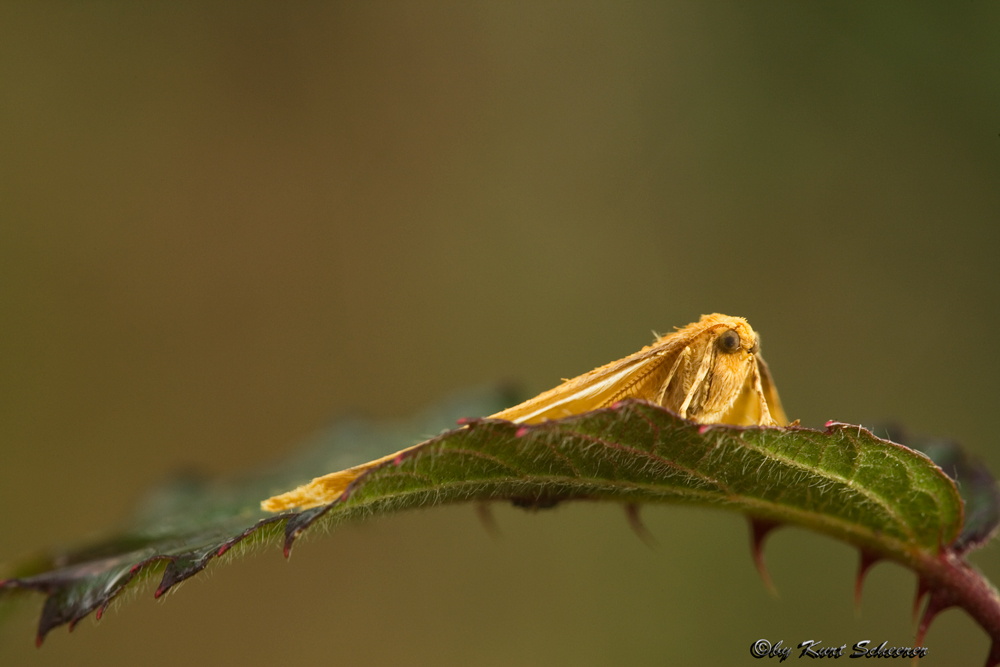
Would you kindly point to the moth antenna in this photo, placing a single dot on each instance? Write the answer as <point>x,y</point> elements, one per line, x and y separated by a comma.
<point>637,526</point>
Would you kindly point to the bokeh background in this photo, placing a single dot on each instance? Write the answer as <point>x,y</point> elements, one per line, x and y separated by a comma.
<point>222,224</point>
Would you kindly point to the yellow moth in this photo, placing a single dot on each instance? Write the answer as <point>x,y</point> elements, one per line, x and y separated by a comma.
<point>710,372</point>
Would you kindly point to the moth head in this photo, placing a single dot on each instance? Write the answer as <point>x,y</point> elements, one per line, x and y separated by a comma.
<point>739,338</point>
<point>733,337</point>
<point>729,341</point>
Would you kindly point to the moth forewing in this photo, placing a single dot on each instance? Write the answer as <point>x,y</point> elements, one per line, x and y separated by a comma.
<point>770,391</point>
<point>631,377</point>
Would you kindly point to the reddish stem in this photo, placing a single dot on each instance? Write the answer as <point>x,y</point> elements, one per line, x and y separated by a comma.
<point>952,581</point>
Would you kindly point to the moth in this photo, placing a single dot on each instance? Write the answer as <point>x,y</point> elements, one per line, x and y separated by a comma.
<point>710,372</point>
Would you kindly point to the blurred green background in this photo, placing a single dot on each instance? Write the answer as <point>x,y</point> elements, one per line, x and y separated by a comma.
<point>223,224</point>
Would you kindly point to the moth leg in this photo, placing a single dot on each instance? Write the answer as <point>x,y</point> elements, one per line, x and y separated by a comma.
<point>706,363</point>
<point>758,388</point>
<point>661,397</point>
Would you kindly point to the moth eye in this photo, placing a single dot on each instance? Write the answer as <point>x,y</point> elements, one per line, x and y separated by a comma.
<point>729,341</point>
<point>756,345</point>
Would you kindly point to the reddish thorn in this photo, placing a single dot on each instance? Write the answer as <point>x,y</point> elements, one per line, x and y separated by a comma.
<point>72,624</point>
<point>829,423</point>
<point>485,514</point>
<point>759,529</point>
<point>637,526</point>
<point>396,461</point>
<point>38,641</point>
<point>922,590</point>
<point>521,431</point>
<point>223,549</point>
<point>935,605</point>
<point>462,421</point>
<point>135,568</point>
<point>100,611</point>
<point>703,429</point>
<point>993,659</point>
<point>288,544</point>
<point>616,405</point>
<point>864,564</point>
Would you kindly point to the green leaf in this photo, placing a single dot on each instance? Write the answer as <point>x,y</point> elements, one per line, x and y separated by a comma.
<point>180,528</point>
<point>844,482</point>
<point>891,501</point>
<point>976,483</point>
